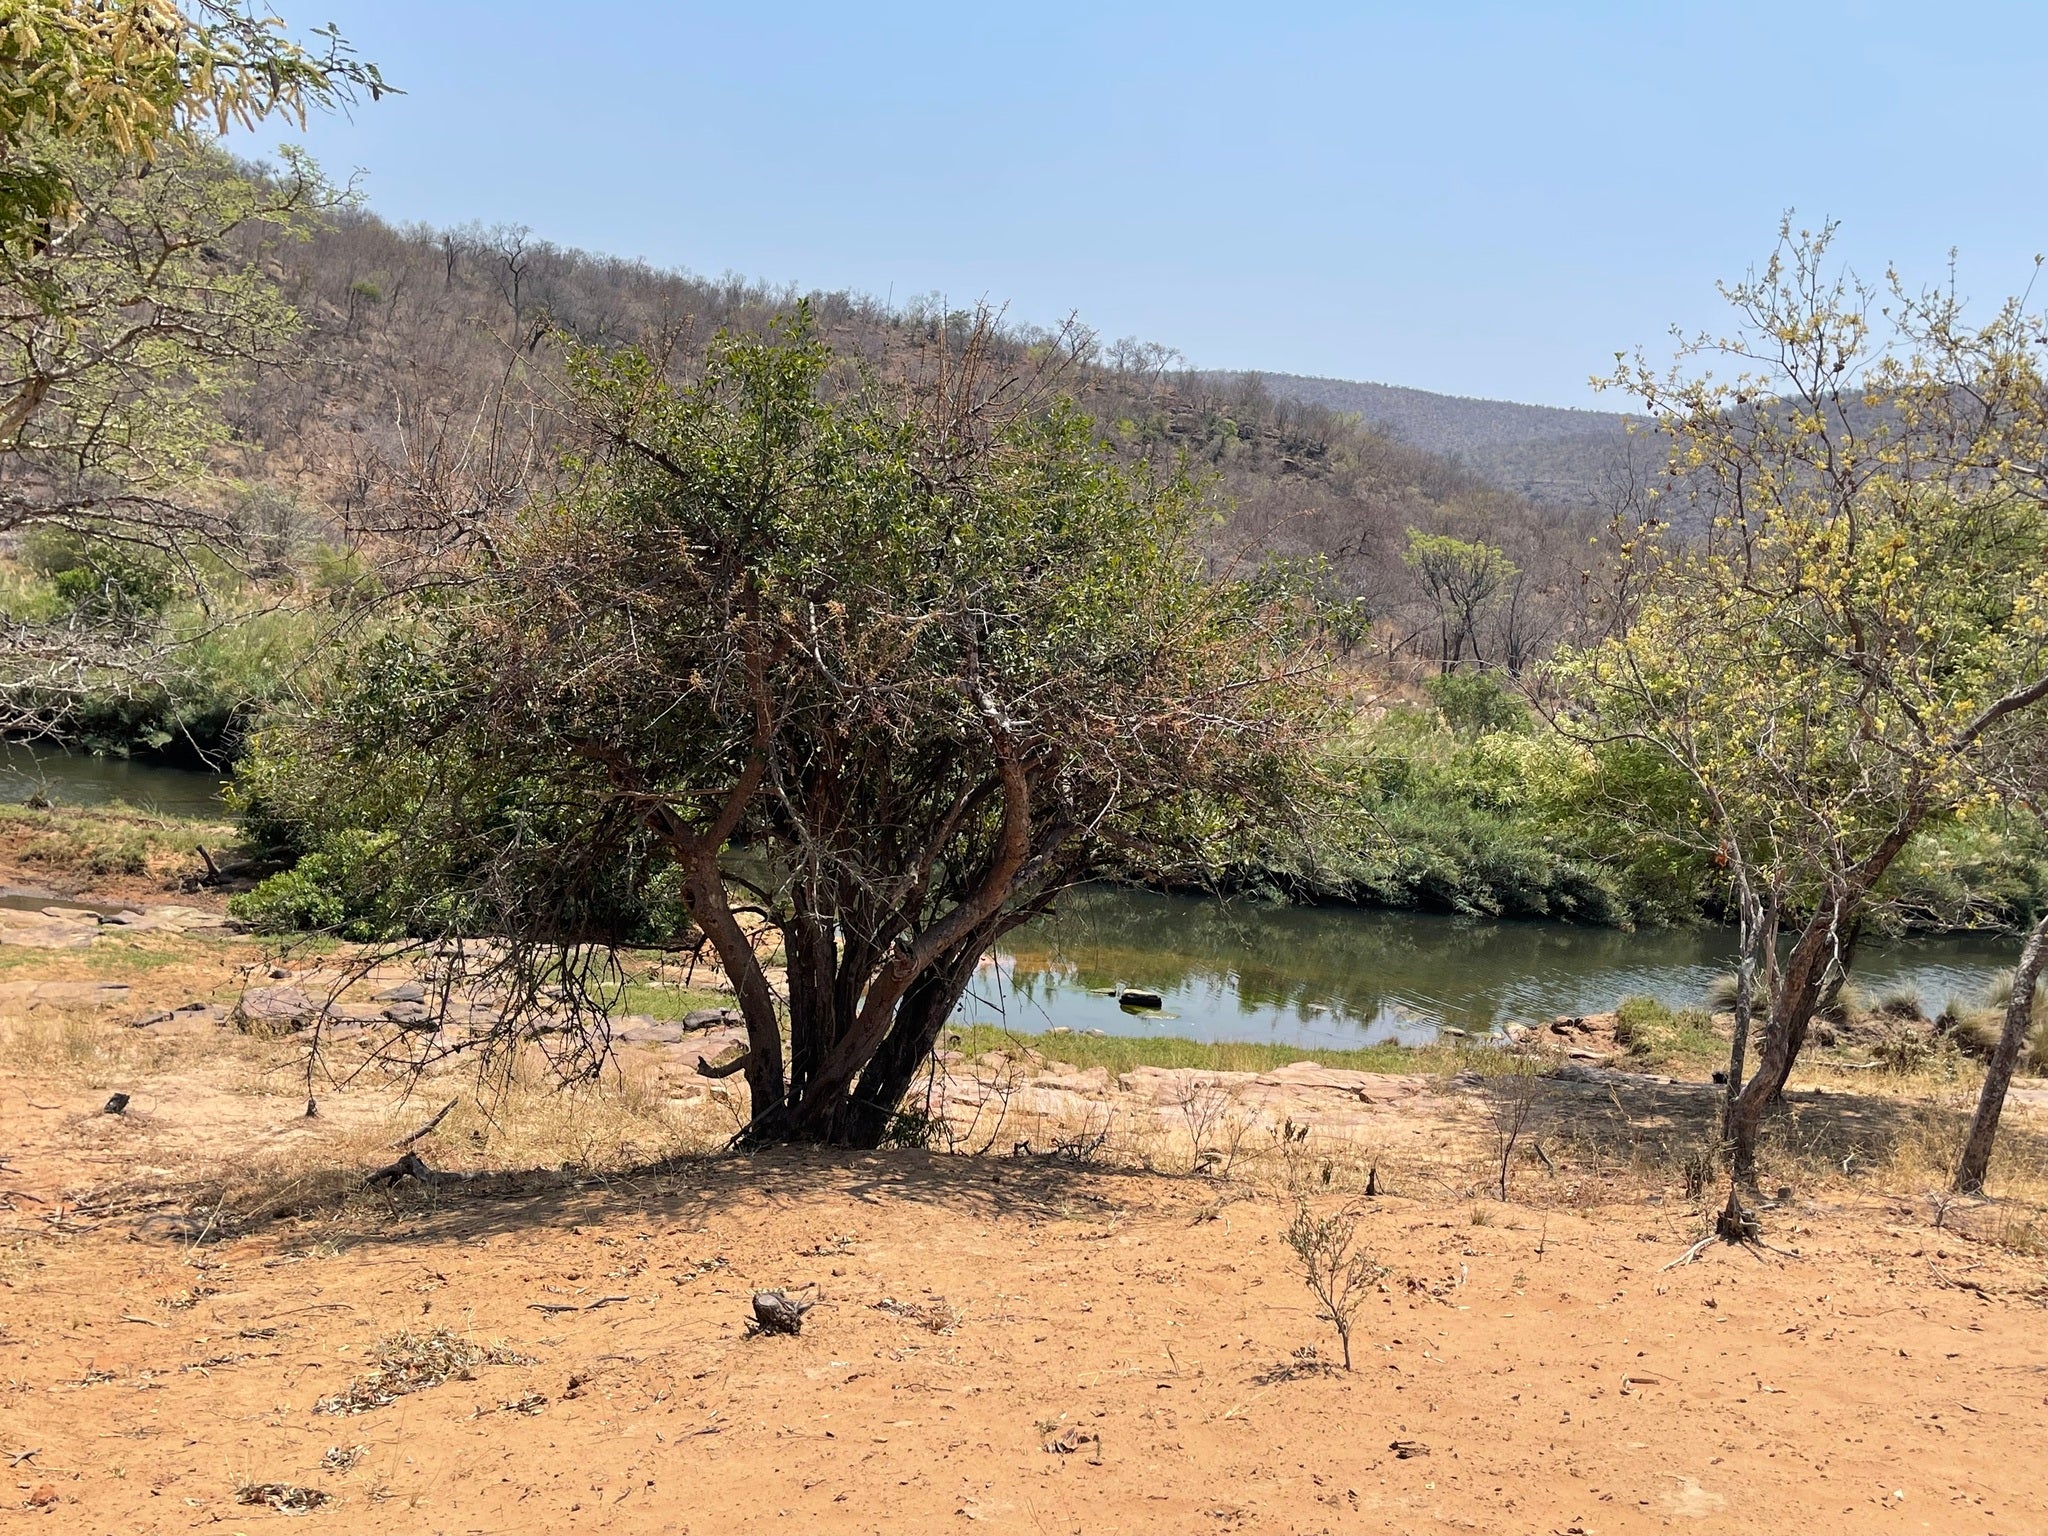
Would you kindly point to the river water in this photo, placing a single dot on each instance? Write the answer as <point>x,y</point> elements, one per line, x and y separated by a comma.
<point>78,778</point>
<point>1335,976</point>
<point>1330,976</point>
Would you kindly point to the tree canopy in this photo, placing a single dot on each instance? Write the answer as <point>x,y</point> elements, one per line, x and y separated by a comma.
<point>869,671</point>
<point>1858,643</point>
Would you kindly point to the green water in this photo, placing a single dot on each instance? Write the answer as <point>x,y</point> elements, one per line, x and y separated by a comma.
<point>78,778</point>
<point>1345,977</point>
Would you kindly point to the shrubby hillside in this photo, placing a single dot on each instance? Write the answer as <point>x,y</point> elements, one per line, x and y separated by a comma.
<point>431,368</point>
<point>1548,454</point>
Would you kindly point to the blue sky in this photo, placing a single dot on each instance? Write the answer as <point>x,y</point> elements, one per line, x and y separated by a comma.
<point>1480,199</point>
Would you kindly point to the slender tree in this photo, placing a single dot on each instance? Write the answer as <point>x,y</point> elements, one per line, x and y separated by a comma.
<point>1462,580</point>
<point>1854,639</point>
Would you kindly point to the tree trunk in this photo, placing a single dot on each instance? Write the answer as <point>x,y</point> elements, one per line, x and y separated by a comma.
<point>1755,937</point>
<point>1796,989</point>
<point>812,953</point>
<point>705,898</point>
<point>870,1110</point>
<point>2019,1024</point>
<point>1792,1004</point>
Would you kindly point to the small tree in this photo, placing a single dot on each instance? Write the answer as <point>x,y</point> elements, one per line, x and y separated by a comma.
<point>1338,1272</point>
<point>1461,581</point>
<point>1853,644</point>
<point>876,668</point>
<point>134,287</point>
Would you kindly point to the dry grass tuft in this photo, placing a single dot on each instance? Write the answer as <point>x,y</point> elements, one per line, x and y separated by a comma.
<point>286,1498</point>
<point>413,1362</point>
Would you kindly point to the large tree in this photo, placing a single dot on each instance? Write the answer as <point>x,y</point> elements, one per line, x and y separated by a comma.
<point>875,669</point>
<point>1844,636</point>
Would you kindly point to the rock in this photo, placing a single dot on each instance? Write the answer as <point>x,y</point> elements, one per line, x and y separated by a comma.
<point>711,1018</point>
<point>1139,997</point>
<point>638,1030</point>
<point>404,992</point>
<point>1452,1034</point>
<point>276,1006</point>
<point>411,1015</point>
<point>116,1105</point>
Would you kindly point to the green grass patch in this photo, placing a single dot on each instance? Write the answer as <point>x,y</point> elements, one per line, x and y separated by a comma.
<point>665,1002</point>
<point>1120,1053</point>
<point>1652,1033</point>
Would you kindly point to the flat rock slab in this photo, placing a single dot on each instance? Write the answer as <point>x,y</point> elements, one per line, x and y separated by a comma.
<point>63,994</point>
<point>1299,1082</point>
<point>699,1046</point>
<point>277,1005</point>
<point>52,929</point>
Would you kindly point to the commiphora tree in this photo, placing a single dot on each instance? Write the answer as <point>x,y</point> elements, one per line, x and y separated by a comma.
<point>1855,640</point>
<point>876,668</point>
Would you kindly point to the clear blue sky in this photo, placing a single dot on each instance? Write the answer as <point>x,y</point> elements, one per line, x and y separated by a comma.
<point>1480,199</point>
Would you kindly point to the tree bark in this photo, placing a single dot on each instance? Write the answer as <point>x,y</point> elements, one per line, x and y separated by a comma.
<point>868,1113</point>
<point>1797,988</point>
<point>1793,1000</point>
<point>1753,939</point>
<point>2012,1039</point>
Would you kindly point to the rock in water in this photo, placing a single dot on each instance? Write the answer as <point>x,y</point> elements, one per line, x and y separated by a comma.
<point>778,1312</point>
<point>1138,997</point>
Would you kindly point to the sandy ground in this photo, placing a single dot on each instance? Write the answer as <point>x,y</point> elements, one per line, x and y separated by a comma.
<point>1542,1371</point>
<point>1003,1341</point>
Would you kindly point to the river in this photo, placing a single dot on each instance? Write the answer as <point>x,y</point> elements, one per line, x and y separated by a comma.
<point>1339,976</point>
<point>1328,976</point>
<point>79,778</point>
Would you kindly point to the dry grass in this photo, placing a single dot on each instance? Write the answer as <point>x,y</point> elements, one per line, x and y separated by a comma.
<point>413,1362</point>
<point>70,846</point>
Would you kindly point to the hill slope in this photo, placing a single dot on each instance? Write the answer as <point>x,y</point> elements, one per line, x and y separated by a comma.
<point>1545,452</point>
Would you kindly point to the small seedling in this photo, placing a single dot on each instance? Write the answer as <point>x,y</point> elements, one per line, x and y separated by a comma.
<point>1333,1267</point>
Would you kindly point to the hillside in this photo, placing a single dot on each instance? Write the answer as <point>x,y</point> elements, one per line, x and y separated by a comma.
<point>430,398</point>
<point>1546,453</point>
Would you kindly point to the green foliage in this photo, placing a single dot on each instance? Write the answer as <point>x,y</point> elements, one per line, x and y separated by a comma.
<point>1478,704</point>
<point>1502,823</point>
<point>341,889</point>
<point>217,670</point>
<point>99,580</point>
<point>136,81</point>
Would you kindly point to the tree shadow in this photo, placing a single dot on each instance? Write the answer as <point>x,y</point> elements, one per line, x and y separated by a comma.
<point>1618,1118</point>
<point>685,1193</point>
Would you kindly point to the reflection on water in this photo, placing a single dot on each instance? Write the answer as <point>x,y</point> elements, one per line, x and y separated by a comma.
<point>1341,976</point>
<point>77,778</point>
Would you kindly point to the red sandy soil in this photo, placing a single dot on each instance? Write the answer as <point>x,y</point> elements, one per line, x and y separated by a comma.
<point>1876,1375</point>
